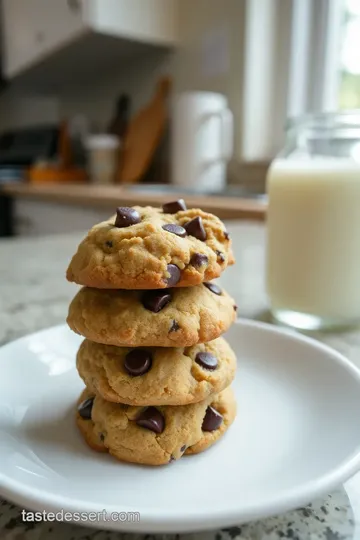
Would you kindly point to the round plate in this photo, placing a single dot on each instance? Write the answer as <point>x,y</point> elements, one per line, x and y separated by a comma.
<point>297,436</point>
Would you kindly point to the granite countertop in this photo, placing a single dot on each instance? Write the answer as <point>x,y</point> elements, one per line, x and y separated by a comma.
<point>34,294</point>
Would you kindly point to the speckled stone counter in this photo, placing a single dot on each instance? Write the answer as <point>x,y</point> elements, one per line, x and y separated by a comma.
<point>35,295</point>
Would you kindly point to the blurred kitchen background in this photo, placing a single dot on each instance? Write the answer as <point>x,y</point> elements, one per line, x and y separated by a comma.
<point>118,102</point>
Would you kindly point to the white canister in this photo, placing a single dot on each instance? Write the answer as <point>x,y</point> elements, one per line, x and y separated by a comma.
<point>202,141</point>
<point>103,152</point>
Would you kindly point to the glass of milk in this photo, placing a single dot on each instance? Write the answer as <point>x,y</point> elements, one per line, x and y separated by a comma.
<point>313,249</point>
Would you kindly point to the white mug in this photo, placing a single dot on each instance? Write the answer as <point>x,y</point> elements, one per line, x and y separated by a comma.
<point>202,140</point>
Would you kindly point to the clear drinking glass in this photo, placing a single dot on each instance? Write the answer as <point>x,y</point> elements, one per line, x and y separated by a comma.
<point>313,249</point>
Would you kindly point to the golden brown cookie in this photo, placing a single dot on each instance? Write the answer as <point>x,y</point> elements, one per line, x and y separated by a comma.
<point>154,435</point>
<point>148,248</point>
<point>173,318</point>
<point>156,375</point>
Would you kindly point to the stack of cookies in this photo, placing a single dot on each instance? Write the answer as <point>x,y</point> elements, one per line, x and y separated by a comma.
<point>157,372</point>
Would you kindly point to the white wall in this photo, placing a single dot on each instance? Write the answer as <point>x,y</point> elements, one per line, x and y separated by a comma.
<point>97,100</point>
<point>211,55</point>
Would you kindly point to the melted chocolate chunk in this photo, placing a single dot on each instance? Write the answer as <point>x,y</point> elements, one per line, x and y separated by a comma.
<point>220,255</point>
<point>213,288</point>
<point>155,300</point>
<point>174,206</point>
<point>206,360</point>
<point>175,275</point>
<point>175,229</point>
<point>126,216</point>
<point>174,326</point>
<point>152,419</point>
<point>85,408</point>
<point>195,228</point>
<point>199,260</point>
<point>109,243</point>
<point>212,420</point>
<point>138,362</point>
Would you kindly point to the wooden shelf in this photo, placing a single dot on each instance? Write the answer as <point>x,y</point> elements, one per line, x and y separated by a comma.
<point>113,196</point>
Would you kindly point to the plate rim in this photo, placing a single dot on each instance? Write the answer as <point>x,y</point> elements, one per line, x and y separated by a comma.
<point>38,500</point>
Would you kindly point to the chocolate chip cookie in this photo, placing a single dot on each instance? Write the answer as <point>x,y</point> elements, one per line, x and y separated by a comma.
<point>152,248</point>
<point>178,317</point>
<point>154,435</point>
<point>156,375</point>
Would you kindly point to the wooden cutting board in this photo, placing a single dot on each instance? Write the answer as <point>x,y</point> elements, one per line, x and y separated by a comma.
<point>144,134</point>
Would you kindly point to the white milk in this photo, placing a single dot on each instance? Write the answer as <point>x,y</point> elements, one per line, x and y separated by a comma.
<point>314,237</point>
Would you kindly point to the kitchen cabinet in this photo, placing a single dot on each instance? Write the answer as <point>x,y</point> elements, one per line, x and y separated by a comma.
<point>35,31</point>
<point>153,21</point>
<point>34,28</point>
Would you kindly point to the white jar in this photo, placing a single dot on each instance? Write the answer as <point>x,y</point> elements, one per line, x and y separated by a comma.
<point>103,158</point>
<point>313,262</point>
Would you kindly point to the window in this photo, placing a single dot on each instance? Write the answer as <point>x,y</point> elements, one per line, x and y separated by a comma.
<point>349,88</point>
<point>301,56</point>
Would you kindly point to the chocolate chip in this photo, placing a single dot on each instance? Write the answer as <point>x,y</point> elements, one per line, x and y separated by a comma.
<point>198,259</point>
<point>156,300</point>
<point>212,420</point>
<point>183,448</point>
<point>220,255</point>
<point>151,418</point>
<point>102,437</point>
<point>109,243</point>
<point>126,216</point>
<point>206,360</point>
<point>213,288</point>
<point>138,362</point>
<point>172,459</point>
<point>174,277</point>
<point>85,408</point>
<point>227,235</point>
<point>174,206</point>
<point>175,229</point>
<point>235,307</point>
<point>195,228</point>
<point>174,327</point>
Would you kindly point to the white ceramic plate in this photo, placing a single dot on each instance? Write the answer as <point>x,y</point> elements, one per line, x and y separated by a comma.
<point>297,436</point>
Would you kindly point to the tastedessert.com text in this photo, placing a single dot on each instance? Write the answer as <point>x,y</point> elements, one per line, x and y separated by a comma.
<point>62,515</point>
